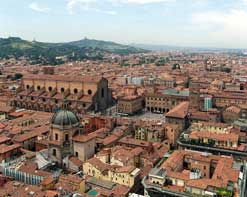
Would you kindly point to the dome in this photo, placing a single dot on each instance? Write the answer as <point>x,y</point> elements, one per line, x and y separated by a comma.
<point>65,118</point>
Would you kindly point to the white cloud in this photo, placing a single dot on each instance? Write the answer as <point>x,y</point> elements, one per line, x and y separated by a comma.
<point>38,8</point>
<point>96,4</point>
<point>225,27</point>
<point>140,1</point>
<point>87,5</point>
<point>106,12</point>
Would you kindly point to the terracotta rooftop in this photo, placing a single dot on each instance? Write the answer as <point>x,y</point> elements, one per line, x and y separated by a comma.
<point>6,109</point>
<point>135,142</point>
<point>83,138</point>
<point>179,111</point>
<point>66,78</point>
<point>7,148</point>
<point>4,139</point>
<point>216,136</point>
<point>233,109</point>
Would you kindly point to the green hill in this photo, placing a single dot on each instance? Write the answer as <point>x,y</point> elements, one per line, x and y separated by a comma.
<point>111,47</point>
<point>58,53</point>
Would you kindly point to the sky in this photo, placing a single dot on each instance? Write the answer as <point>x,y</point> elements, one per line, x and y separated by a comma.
<point>197,23</point>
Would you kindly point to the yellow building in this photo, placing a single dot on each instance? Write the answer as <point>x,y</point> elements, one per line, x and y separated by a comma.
<point>123,175</point>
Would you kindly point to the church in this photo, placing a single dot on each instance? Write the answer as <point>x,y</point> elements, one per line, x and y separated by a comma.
<point>44,92</point>
<point>67,139</point>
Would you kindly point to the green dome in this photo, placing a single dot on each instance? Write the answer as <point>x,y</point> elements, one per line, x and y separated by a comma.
<point>65,118</point>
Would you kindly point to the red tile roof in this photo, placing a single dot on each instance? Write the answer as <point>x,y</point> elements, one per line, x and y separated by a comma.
<point>7,148</point>
<point>179,111</point>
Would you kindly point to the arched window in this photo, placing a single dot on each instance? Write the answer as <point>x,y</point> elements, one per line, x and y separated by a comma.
<point>102,92</point>
<point>75,91</point>
<point>50,89</point>
<point>89,92</point>
<point>66,137</point>
<point>27,86</point>
<point>38,87</point>
<point>56,136</point>
<point>62,90</point>
<point>54,152</point>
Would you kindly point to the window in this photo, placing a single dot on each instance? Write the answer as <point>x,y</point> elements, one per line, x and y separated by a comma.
<point>54,152</point>
<point>76,154</point>
<point>89,92</point>
<point>27,86</point>
<point>38,87</point>
<point>102,92</point>
<point>50,89</point>
<point>66,137</point>
<point>62,90</point>
<point>56,136</point>
<point>75,91</point>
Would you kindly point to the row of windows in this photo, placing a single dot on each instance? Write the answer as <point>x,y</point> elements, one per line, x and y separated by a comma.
<point>157,109</point>
<point>62,90</point>
<point>231,101</point>
<point>159,103</point>
<point>157,99</point>
<point>66,137</point>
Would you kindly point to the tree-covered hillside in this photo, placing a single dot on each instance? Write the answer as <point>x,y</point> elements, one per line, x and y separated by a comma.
<point>58,53</point>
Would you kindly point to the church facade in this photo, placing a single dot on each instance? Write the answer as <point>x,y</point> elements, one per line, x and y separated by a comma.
<point>46,92</point>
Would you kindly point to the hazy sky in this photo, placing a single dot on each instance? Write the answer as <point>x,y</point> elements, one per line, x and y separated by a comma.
<point>214,23</point>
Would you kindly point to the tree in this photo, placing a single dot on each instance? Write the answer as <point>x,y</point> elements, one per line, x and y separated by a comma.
<point>174,66</point>
<point>17,76</point>
<point>227,70</point>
